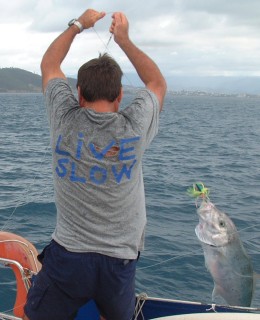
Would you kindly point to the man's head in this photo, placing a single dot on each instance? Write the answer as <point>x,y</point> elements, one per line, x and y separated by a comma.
<point>100,79</point>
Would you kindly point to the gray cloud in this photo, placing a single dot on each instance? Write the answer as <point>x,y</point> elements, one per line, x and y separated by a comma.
<point>182,36</point>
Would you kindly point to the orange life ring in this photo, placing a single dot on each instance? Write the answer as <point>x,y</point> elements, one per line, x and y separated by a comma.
<point>19,254</point>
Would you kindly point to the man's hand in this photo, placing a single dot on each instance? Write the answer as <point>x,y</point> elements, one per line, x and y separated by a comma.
<point>119,27</point>
<point>90,17</point>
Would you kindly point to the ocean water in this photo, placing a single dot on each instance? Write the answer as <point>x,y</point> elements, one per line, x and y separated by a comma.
<point>201,138</point>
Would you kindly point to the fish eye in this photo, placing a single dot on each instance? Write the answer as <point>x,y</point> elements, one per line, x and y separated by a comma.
<point>222,223</point>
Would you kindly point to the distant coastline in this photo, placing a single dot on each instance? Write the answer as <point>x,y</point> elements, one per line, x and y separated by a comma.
<point>200,93</point>
<point>15,80</point>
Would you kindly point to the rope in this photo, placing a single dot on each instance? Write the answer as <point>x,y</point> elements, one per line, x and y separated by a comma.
<point>140,301</point>
<point>213,308</point>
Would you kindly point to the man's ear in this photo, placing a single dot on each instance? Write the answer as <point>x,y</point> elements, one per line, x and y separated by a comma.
<point>118,100</point>
<point>121,94</point>
<point>80,97</point>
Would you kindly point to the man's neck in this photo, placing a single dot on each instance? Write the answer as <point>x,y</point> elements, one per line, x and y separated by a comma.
<point>101,106</point>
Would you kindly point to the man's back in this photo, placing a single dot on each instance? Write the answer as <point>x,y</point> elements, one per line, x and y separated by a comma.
<point>98,172</point>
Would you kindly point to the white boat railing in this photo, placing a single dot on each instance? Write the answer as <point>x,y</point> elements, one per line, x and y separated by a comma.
<point>4,316</point>
<point>25,274</point>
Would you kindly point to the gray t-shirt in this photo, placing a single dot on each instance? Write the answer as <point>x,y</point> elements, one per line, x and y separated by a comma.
<point>97,170</point>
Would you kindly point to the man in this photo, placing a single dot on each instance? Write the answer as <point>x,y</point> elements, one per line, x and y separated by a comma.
<point>98,182</point>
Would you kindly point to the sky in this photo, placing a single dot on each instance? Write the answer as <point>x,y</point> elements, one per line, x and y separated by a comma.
<point>184,37</point>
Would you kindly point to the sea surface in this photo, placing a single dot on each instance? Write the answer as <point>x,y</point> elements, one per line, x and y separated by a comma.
<point>215,140</point>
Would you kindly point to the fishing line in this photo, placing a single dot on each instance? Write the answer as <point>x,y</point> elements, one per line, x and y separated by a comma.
<point>6,224</point>
<point>5,313</point>
<point>105,45</point>
<point>108,51</point>
<point>250,227</point>
<point>26,193</point>
<point>4,316</point>
<point>243,229</point>
<point>111,35</point>
<point>192,253</point>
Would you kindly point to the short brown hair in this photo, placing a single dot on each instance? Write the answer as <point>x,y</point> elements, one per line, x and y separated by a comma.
<point>100,79</point>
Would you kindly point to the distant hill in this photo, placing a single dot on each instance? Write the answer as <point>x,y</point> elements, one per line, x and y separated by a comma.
<point>19,80</point>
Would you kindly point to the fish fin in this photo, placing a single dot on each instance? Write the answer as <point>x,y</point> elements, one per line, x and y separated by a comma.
<point>217,295</point>
<point>256,276</point>
<point>214,294</point>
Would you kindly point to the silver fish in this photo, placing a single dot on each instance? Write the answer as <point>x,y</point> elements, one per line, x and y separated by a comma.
<point>225,257</point>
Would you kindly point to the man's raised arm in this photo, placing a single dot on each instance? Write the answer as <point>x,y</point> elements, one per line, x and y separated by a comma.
<point>57,51</point>
<point>147,70</point>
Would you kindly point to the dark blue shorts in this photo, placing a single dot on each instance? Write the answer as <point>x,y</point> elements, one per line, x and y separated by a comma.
<point>68,280</point>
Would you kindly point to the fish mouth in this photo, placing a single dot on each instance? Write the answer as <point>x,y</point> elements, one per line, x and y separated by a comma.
<point>202,229</point>
<point>200,233</point>
<point>205,207</point>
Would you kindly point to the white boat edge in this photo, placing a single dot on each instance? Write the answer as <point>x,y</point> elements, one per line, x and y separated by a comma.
<point>213,316</point>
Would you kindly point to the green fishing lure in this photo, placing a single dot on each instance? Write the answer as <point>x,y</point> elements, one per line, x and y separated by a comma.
<point>198,190</point>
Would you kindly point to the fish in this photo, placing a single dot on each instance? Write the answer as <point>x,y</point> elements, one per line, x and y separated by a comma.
<point>225,256</point>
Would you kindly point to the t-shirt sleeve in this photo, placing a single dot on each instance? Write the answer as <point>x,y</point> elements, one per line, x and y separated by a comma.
<point>59,99</point>
<point>143,113</point>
